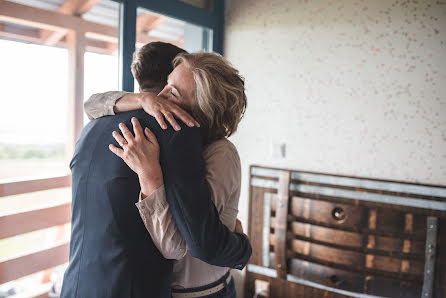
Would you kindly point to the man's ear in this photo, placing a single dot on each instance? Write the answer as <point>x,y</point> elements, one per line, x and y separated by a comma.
<point>140,91</point>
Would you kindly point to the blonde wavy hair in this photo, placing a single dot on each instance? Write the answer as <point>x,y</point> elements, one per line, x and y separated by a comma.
<point>220,100</point>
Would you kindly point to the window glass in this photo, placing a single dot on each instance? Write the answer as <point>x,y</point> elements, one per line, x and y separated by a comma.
<point>33,125</point>
<point>101,65</point>
<point>154,27</point>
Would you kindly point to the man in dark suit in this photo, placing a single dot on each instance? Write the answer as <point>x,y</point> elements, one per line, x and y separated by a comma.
<point>111,252</point>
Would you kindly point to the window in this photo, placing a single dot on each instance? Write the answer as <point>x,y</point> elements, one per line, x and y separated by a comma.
<point>155,27</point>
<point>45,77</point>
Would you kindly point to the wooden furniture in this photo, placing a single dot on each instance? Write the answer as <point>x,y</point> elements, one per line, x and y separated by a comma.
<point>321,235</point>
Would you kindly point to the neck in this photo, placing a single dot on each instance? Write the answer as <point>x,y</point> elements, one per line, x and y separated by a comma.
<point>152,90</point>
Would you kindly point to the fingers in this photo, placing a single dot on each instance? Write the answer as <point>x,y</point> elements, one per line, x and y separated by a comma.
<point>185,117</point>
<point>126,133</point>
<point>160,119</point>
<point>151,136</point>
<point>137,129</point>
<point>121,141</point>
<point>116,150</point>
<point>172,121</point>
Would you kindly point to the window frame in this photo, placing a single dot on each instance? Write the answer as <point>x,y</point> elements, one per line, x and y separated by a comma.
<point>171,8</point>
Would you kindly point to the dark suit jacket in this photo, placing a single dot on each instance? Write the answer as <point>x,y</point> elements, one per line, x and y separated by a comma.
<point>111,252</point>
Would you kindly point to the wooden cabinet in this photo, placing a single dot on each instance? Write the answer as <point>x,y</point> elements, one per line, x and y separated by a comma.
<point>321,235</point>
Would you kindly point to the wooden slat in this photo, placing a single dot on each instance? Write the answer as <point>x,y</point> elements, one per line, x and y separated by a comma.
<point>272,172</point>
<point>282,202</point>
<point>30,35</point>
<point>356,258</point>
<point>15,32</point>
<point>19,187</point>
<point>45,19</point>
<point>76,43</point>
<point>33,220</point>
<point>353,260</point>
<point>37,291</point>
<point>69,7</point>
<point>324,211</point>
<point>401,276</point>
<point>284,288</point>
<point>54,21</point>
<point>148,21</point>
<point>357,230</point>
<point>351,239</point>
<point>366,251</point>
<point>17,267</point>
<point>256,201</point>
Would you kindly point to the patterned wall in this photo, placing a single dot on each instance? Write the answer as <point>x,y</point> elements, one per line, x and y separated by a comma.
<point>353,87</point>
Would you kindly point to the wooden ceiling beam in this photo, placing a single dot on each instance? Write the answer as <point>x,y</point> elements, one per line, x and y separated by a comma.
<point>147,21</point>
<point>14,32</point>
<point>104,36</point>
<point>45,19</point>
<point>70,7</point>
<point>21,34</point>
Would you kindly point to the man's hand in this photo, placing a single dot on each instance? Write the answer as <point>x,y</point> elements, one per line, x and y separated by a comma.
<point>161,108</point>
<point>238,227</point>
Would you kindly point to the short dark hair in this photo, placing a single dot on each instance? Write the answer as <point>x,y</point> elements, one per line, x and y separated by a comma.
<point>153,63</point>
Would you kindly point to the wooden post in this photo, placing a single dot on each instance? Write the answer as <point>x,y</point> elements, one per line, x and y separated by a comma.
<point>76,43</point>
<point>280,249</point>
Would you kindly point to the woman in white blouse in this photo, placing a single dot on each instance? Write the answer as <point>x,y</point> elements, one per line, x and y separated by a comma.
<point>208,86</point>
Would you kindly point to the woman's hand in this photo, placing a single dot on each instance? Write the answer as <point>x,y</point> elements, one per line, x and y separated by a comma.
<point>238,226</point>
<point>141,154</point>
<point>161,108</point>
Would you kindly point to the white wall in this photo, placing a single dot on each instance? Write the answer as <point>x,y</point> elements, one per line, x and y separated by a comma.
<point>351,87</point>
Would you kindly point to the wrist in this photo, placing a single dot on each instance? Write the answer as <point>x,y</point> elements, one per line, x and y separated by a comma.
<point>139,99</point>
<point>150,181</point>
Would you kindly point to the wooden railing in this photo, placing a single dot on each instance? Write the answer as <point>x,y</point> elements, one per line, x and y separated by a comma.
<point>25,221</point>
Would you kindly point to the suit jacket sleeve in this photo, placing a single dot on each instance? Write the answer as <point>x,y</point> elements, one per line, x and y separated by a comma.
<point>189,199</point>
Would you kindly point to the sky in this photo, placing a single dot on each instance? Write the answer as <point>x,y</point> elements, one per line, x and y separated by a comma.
<point>34,94</point>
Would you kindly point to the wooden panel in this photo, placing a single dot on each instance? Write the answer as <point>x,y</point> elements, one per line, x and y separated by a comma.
<point>372,247</point>
<point>256,224</point>
<point>45,19</point>
<point>354,216</point>
<point>280,234</point>
<point>440,268</point>
<point>283,288</point>
<point>394,221</point>
<point>24,222</point>
<point>69,7</point>
<point>17,267</point>
<point>392,288</point>
<point>76,44</point>
<point>19,187</point>
<point>354,282</point>
<point>353,240</point>
<point>49,20</point>
<point>351,259</point>
<point>37,291</point>
<point>324,275</point>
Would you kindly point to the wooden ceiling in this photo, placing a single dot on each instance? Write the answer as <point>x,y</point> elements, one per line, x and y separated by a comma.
<point>46,27</point>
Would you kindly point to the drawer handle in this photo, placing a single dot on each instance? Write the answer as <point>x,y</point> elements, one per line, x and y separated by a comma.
<point>338,213</point>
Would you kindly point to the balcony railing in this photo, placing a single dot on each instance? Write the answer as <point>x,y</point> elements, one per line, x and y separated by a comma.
<point>25,221</point>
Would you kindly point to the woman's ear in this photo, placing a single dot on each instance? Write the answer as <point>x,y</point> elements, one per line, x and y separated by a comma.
<point>140,91</point>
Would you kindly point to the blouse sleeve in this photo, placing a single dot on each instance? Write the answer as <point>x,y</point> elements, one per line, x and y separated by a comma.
<point>158,220</point>
<point>223,176</point>
<point>102,104</point>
